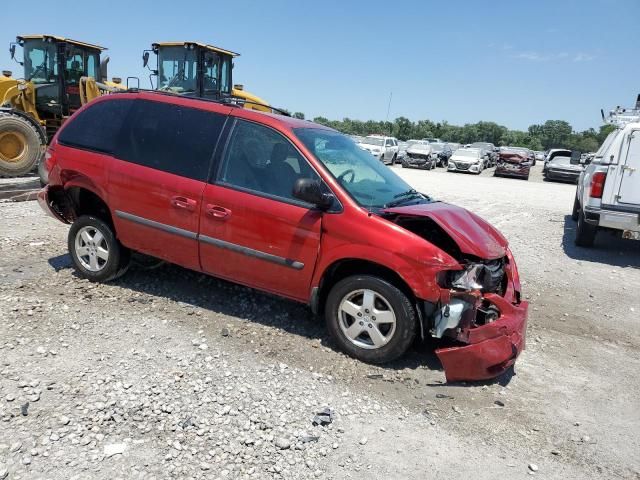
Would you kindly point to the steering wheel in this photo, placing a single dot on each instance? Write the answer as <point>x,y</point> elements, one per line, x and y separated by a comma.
<point>342,177</point>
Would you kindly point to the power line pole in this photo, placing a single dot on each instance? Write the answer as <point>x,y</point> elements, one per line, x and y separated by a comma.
<point>388,109</point>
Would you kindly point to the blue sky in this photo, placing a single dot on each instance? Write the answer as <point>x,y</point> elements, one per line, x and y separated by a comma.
<point>513,62</point>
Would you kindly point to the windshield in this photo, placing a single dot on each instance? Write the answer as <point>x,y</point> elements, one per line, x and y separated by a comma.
<point>368,181</point>
<point>559,160</point>
<point>437,147</point>
<point>177,67</point>
<point>482,145</point>
<point>40,61</point>
<point>466,153</point>
<point>371,141</point>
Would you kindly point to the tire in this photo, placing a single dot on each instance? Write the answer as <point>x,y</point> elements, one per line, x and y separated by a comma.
<point>394,159</point>
<point>576,209</point>
<point>394,337</point>
<point>92,265</point>
<point>20,145</point>
<point>585,232</point>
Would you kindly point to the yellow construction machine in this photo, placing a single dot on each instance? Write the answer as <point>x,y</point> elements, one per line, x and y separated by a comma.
<point>59,75</point>
<point>199,70</point>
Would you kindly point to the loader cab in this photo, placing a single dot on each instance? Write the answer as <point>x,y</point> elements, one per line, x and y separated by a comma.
<point>54,66</point>
<point>193,69</point>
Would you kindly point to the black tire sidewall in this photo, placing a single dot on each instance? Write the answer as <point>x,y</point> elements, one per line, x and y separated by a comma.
<point>114,264</point>
<point>576,209</point>
<point>585,232</point>
<point>406,321</point>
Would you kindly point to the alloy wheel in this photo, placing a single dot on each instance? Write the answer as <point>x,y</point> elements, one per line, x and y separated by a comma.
<point>91,248</point>
<point>367,319</point>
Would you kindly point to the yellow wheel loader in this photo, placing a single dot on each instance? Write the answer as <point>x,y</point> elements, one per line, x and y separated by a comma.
<point>59,75</point>
<point>199,70</point>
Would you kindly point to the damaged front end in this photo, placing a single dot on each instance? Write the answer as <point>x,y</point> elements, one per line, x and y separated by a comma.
<point>479,309</point>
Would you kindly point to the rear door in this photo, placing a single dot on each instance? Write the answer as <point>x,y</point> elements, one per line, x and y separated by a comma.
<point>629,191</point>
<point>252,230</point>
<point>158,176</point>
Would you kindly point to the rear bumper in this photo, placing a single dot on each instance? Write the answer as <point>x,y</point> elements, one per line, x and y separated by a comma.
<point>564,176</point>
<point>617,220</point>
<point>491,348</point>
<point>46,204</point>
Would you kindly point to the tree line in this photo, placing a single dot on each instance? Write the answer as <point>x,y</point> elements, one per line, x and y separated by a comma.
<point>550,134</point>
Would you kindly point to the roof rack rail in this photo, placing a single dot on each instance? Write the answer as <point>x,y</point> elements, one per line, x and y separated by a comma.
<point>620,116</point>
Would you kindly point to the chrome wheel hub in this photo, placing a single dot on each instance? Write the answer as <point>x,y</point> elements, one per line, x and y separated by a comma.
<point>367,319</point>
<point>91,248</point>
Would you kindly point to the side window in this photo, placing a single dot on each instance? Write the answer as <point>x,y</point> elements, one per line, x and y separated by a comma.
<point>259,159</point>
<point>388,142</point>
<point>92,66</point>
<point>97,127</point>
<point>225,86</point>
<point>172,138</point>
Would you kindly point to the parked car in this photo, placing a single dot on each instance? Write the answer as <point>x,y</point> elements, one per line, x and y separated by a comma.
<point>443,151</point>
<point>529,154</point>
<point>608,192</point>
<point>454,146</point>
<point>466,160</point>
<point>420,155</point>
<point>561,169</point>
<point>553,153</point>
<point>513,163</point>
<point>432,140</point>
<point>488,153</point>
<point>292,208</point>
<point>539,156</point>
<point>383,148</point>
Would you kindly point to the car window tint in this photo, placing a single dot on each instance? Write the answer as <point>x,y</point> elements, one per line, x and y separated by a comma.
<point>172,138</point>
<point>97,127</point>
<point>259,159</point>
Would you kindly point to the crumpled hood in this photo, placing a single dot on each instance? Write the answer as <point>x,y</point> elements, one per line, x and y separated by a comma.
<point>472,234</point>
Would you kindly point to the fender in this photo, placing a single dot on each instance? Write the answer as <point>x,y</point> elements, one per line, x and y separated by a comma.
<point>75,179</point>
<point>420,277</point>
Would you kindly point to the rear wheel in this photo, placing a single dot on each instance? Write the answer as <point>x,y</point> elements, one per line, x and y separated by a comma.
<point>370,319</point>
<point>394,159</point>
<point>20,145</point>
<point>585,232</point>
<point>96,253</point>
<point>576,209</point>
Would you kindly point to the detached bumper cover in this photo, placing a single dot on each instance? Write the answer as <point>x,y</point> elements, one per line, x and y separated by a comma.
<point>491,348</point>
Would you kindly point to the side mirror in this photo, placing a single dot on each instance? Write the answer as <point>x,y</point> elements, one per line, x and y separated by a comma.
<point>575,157</point>
<point>312,191</point>
<point>12,51</point>
<point>145,58</point>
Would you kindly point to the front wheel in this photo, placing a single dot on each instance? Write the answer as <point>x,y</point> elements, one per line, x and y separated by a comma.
<point>97,254</point>
<point>370,319</point>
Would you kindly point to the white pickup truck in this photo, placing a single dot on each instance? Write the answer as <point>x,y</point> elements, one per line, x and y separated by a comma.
<point>608,193</point>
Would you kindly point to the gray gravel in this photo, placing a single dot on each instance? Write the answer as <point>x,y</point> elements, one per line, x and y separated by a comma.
<point>171,374</point>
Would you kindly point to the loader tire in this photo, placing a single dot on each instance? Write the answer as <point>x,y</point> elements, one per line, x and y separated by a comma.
<point>20,145</point>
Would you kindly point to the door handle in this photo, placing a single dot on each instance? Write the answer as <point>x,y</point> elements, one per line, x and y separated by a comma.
<point>183,203</point>
<point>217,211</point>
<point>629,169</point>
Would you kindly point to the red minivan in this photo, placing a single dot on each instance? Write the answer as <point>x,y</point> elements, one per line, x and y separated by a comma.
<point>292,208</point>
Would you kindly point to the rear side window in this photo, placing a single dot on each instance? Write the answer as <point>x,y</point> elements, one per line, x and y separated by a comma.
<point>172,138</point>
<point>97,127</point>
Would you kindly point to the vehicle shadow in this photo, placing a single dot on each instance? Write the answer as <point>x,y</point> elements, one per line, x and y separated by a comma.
<point>609,248</point>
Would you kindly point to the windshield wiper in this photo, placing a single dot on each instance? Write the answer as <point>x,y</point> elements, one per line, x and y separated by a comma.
<point>403,197</point>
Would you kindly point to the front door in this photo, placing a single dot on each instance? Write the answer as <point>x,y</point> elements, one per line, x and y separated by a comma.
<point>158,177</point>
<point>252,230</point>
<point>629,192</point>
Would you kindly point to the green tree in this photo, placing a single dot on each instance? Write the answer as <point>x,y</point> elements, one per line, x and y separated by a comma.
<point>299,115</point>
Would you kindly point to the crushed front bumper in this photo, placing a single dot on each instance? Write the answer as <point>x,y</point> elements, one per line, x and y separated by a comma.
<point>489,349</point>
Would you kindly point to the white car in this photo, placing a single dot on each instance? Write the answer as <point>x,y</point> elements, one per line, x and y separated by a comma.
<point>467,160</point>
<point>383,148</point>
<point>608,193</point>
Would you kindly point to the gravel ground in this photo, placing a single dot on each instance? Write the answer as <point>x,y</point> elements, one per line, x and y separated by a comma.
<point>167,373</point>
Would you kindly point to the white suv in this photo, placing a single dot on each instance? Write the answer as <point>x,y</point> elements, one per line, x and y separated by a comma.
<point>383,148</point>
<point>608,193</point>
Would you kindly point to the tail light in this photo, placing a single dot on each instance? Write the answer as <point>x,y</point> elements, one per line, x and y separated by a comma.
<point>597,184</point>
